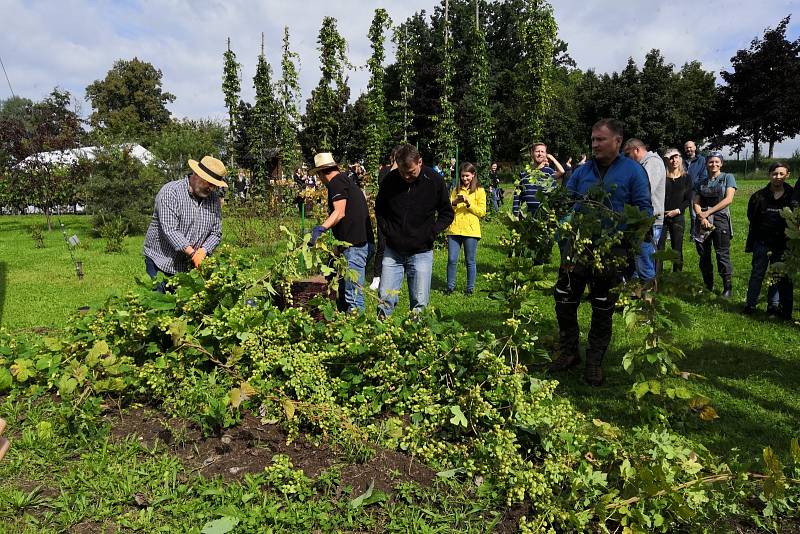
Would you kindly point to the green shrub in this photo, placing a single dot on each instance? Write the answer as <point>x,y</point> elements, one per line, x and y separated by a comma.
<point>120,187</point>
<point>37,235</point>
<point>114,232</point>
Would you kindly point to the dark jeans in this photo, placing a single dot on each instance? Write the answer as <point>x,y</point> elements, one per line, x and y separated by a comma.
<point>720,239</point>
<point>152,272</point>
<point>674,226</point>
<point>568,293</point>
<point>780,293</point>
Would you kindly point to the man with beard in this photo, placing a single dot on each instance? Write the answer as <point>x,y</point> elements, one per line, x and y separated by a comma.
<point>187,220</point>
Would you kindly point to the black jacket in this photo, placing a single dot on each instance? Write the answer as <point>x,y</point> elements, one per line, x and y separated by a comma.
<point>766,224</point>
<point>410,215</point>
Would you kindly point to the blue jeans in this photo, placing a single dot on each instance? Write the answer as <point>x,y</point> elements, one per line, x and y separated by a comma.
<point>152,271</point>
<point>351,292</point>
<point>454,243</point>
<point>417,269</point>
<point>645,264</point>
<point>779,294</point>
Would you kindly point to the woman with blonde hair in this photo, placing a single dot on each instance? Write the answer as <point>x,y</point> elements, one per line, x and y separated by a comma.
<point>678,194</point>
<point>469,204</point>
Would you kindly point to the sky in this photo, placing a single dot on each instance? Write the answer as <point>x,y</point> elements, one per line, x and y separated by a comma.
<point>71,43</point>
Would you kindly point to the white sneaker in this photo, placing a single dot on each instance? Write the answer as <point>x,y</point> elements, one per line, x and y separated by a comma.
<point>375,283</point>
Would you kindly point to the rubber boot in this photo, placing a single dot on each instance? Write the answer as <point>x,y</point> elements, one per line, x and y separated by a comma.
<point>708,279</point>
<point>727,287</point>
<point>568,336</point>
<point>599,339</point>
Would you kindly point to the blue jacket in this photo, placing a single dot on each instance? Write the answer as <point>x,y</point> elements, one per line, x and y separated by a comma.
<point>696,169</point>
<point>629,177</point>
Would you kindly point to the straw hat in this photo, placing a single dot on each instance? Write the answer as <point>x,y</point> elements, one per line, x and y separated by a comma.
<point>210,169</point>
<point>323,160</point>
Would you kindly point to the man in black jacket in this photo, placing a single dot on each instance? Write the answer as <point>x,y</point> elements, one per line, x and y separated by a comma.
<point>412,208</point>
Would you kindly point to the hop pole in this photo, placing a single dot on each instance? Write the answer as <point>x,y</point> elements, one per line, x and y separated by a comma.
<point>78,264</point>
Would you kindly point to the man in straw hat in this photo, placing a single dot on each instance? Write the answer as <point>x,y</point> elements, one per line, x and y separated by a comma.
<point>187,220</point>
<point>348,218</point>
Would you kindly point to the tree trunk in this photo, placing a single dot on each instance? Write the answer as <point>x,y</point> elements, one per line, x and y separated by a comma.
<point>771,148</point>
<point>756,147</point>
<point>48,214</point>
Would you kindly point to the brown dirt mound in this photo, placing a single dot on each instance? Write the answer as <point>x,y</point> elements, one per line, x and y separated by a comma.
<point>250,446</point>
<point>386,468</point>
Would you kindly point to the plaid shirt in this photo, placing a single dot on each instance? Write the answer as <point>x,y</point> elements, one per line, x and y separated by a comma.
<point>180,220</point>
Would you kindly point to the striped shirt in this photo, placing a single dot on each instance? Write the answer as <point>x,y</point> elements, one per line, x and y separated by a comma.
<point>180,220</point>
<point>529,186</point>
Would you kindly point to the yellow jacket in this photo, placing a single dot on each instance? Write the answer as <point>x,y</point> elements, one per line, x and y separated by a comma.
<point>467,221</point>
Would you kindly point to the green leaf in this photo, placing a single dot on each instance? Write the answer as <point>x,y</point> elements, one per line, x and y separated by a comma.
<point>450,473</point>
<point>795,446</point>
<point>458,418</point>
<point>220,526</point>
<point>360,500</point>
<point>44,430</point>
<point>6,380</point>
<point>99,349</point>
<point>23,369</point>
<point>177,330</point>
<point>640,389</point>
<point>66,385</point>
<point>53,344</point>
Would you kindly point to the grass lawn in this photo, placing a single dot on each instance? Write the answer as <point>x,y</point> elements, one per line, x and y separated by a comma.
<point>54,483</point>
<point>751,363</point>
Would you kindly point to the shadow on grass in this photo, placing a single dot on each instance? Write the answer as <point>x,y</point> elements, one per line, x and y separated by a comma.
<point>751,389</point>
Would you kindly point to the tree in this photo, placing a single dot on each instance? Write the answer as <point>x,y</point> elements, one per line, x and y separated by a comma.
<point>187,139</point>
<point>240,140</point>
<point>288,110</point>
<point>129,103</point>
<point>120,189</point>
<point>15,124</point>
<point>264,133</point>
<point>658,101</point>
<point>761,93</point>
<point>231,87</point>
<point>376,125</point>
<point>326,107</point>
<point>478,115</point>
<point>355,141</point>
<point>38,179</point>
<point>695,96</point>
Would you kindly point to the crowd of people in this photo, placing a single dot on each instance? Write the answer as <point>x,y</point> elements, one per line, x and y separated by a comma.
<point>415,203</point>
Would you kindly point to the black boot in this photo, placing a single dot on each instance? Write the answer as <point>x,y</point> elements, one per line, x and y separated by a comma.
<point>708,280</point>
<point>599,339</point>
<point>727,287</point>
<point>568,336</point>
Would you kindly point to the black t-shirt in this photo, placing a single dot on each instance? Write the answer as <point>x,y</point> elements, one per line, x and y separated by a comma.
<point>355,227</point>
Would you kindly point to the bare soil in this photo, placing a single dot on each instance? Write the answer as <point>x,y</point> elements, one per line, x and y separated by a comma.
<point>250,446</point>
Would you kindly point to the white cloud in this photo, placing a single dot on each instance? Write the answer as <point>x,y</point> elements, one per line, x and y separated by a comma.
<point>70,43</point>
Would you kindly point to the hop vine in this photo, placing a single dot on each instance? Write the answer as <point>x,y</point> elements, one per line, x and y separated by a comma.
<point>288,117</point>
<point>376,133</point>
<point>231,87</point>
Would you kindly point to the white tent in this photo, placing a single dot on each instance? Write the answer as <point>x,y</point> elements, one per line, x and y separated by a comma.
<point>71,156</point>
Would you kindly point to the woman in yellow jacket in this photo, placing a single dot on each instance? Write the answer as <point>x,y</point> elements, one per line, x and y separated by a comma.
<point>469,203</point>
